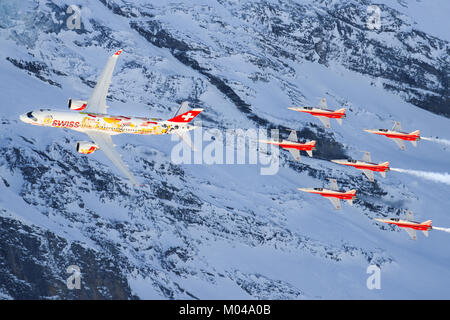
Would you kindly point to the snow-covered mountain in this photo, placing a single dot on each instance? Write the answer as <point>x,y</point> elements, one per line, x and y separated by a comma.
<point>224,231</point>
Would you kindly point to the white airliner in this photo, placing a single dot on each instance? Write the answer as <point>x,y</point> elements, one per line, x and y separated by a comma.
<point>100,126</point>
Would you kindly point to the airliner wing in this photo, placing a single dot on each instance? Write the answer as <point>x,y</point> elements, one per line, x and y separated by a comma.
<point>411,232</point>
<point>97,101</point>
<point>104,142</point>
<point>325,121</point>
<point>369,174</point>
<point>336,203</point>
<point>400,143</point>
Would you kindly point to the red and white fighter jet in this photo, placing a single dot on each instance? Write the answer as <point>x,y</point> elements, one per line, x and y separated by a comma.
<point>409,225</point>
<point>366,165</point>
<point>333,194</point>
<point>397,135</point>
<point>293,146</point>
<point>323,113</point>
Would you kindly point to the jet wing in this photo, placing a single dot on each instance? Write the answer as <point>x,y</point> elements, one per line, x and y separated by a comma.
<point>293,136</point>
<point>295,153</point>
<point>397,126</point>
<point>336,203</point>
<point>367,157</point>
<point>97,101</point>
<point>322,104</point>
<point>325,121</point>
<point>411,232</point>
<point>369,174</point>
<point>400,143</point>
<point>104,142</point>
<point>333,185</point>
<point>409,216</point>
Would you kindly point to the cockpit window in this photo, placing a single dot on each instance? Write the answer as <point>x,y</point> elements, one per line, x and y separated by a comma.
<point>30,115</point>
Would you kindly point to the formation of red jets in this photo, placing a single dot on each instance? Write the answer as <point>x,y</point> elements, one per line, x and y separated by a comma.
<point>366,165</point>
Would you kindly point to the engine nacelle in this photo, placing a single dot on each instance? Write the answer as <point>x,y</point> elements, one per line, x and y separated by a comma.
<point>86,147</point>
<point>76,104</point>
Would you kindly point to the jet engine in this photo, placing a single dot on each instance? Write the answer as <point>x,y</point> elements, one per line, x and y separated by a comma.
<point>86,147</point>
<point>76,104</point>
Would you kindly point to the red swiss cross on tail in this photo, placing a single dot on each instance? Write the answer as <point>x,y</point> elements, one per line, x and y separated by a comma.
<point>187,116</point>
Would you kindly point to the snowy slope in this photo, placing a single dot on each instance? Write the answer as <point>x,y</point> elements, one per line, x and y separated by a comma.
<point>222,231</point>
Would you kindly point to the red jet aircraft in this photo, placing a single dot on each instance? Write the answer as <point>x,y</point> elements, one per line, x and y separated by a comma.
<point>293,146</point>
<point>333,194</point>
<point>323,113</point>
<point>397,135</point>
<point>366,165</point>
<point>409,225</point>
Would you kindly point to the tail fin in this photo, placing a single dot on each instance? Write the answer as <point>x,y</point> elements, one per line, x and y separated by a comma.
<point>416,133</point>
<point>427,223</point>
<point>342,110</point>
<point>187,116</point>
<point>385,164</point>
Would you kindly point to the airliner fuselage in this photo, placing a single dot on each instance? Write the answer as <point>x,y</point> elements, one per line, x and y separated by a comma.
<point>83,121</point>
